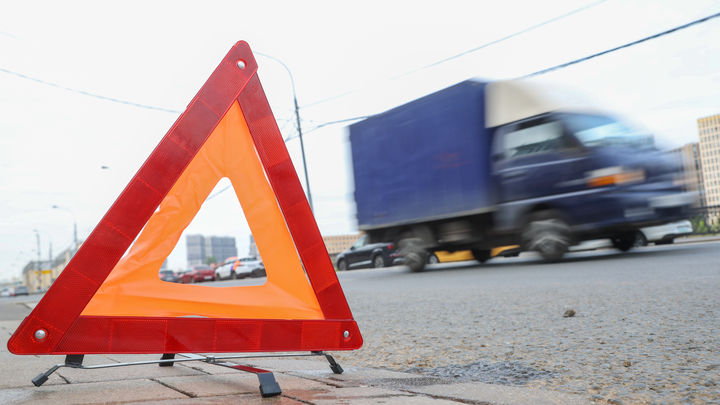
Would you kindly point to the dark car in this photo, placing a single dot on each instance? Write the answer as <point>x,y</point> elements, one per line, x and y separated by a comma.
<point>196,274</point>
<point>368,255</point>
<point>21,290</point>
<point>169,276</point>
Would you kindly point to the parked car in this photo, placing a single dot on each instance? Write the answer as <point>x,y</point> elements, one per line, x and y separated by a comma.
<point>368,255</point>
<point>663,234</point>
<point>198,273</point>
<point>7,292</point>
<point>234,267</point>
<point>169,276</point>
<point>659,235</point>
<point>21,290</point>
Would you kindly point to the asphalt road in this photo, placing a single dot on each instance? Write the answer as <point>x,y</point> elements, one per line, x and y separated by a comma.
<point>645,328</point>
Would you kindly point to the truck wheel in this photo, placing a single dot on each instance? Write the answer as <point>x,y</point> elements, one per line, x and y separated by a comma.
<point>378,262</point>
<point>433,259</point>
<point>414,255</point>
<point>624,242</point>
<point>481,255</point>
<point>342,265</point>
<point>546,233</point>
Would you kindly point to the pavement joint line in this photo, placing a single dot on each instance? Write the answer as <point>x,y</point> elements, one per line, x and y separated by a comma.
<point>297,399</point>
<point>321,380</point>
<point>195,368</point>
<point>453,399</point>
<point>173,388</point>
<point>64,379</point>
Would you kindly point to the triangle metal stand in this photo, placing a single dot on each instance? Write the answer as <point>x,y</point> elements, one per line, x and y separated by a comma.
<point>268,386</point>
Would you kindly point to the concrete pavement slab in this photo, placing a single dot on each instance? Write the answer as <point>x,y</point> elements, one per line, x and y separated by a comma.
<point>360,395</point>
<point>18,371</point>
<point>500,394</point>
<point>224,400</point>
<point>92,393</point>
<point>231,384</point>
<point>319,370</point>
<point>73,375</point>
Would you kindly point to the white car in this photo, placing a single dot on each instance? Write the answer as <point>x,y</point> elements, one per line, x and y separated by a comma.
<point>234,268</point>
<point>663,234</point>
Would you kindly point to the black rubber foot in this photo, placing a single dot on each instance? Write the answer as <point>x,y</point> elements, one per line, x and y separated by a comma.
<point>336,368</point>
<point>268,386</point>
<point>270,389</point>
<point>40,380</point>
<point>167,356</point>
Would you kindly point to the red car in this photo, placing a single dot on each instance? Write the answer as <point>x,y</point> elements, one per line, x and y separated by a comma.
<point>196,274</point>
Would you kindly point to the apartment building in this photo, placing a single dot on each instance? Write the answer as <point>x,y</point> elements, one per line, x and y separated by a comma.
<point>709,149</point>
<point>201,247</point>
<point>687,159</point>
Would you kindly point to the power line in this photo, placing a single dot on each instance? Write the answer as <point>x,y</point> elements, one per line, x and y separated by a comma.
<point>468,51</point>
<point>114,100</point>
<point>702,20</point>
<point>330,123</point>
<point>501,39</point>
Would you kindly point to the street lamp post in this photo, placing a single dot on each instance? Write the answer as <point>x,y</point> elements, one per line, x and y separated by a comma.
<point>74,223</point>
<point>299,127</point>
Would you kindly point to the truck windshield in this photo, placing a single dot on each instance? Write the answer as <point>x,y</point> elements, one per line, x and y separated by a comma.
<point>596,130</point>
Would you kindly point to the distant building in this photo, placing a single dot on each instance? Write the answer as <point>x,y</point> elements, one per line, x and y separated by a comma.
<point>687,158</point>
<point>253,248</point>
<point>37,276</point>
<point>200,248</point>
<point>709,134</point>
<point>339,244</point>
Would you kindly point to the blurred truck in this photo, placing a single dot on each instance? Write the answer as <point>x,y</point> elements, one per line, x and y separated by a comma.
<point>482,165</point>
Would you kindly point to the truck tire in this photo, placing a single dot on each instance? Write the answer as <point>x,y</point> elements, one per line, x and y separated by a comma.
<point>414,255</point>
<point>624,242</point>
<point>378,262</point>
<point>481,255</point>
<point>548,234</point>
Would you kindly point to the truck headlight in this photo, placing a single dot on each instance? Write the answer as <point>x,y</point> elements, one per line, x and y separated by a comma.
<point>617,175</point>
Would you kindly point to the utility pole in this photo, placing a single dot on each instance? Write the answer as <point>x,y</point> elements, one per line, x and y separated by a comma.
<point>39,267</point>
<point>38,247</point>
<point>299,127</point>
<point>302,150</point>
<point>74,223</point>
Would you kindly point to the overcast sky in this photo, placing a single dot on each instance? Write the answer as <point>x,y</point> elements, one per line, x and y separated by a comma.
<point>347,60</point>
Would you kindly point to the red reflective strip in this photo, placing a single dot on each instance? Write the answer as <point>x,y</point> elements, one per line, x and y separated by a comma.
<point>291,198</point>
<point>99,334</point>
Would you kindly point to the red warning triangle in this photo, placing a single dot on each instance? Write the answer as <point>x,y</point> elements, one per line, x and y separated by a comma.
<point>109,298</point>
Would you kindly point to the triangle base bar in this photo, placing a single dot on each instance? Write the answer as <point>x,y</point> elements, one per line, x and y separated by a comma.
<point>268,386</point>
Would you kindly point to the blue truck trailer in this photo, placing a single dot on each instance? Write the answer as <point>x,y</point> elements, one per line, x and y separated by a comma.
<point>482,165</point>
